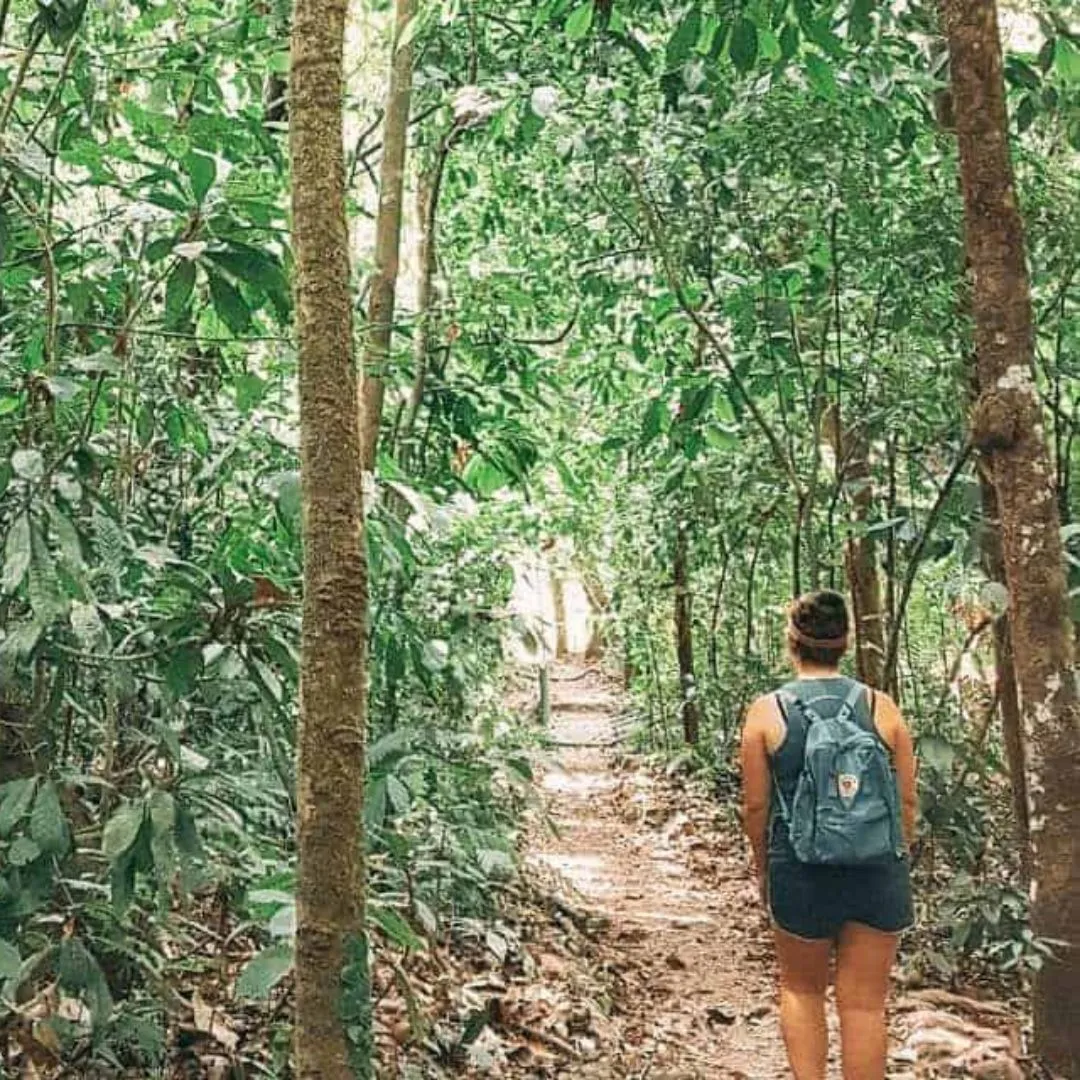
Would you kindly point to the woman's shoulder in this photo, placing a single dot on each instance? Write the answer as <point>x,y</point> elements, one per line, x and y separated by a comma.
<point>762,706</point>
<point>764,720</point>
<point>887,717</point>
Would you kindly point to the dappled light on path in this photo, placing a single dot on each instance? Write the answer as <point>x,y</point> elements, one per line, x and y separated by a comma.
<point>692,991</point>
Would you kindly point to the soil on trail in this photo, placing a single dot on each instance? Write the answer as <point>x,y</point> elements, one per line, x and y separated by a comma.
<point>683,935</point>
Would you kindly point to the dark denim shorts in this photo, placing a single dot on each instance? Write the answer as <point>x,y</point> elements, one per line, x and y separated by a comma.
<point>813,902</point>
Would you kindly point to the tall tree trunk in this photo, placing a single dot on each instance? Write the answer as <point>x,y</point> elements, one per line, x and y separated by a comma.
<point>684,639</point>
<point>860,557</point>
<point>1004,664</point>
<point>330,770</point>
<point>1007,429</point>
<point>380,328</point>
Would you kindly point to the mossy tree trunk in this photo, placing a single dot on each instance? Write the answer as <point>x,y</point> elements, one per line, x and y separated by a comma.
<point>1007,428</point>
<point>330,770</point>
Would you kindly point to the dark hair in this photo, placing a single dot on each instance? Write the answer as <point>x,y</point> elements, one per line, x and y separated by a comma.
<point>819,616</point>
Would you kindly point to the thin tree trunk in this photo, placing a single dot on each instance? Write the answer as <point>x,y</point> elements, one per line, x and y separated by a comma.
<point>890,543</point>
<point>330,769</point>
<point>860,557</point>
<point>1007,695</point>
<point>558,595</point>
<point>380,328</point>
<point>718,598</point>
<point>892,653</point>
<point>429,190</point>
<point>684,639</point>
<point>751,574</point>
<point>1007,429</point>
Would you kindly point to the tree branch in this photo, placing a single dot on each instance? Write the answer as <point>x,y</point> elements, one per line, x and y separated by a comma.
<point>677,287</point>
<point>892,654</point>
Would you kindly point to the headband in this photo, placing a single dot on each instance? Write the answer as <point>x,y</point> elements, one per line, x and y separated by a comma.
<point>816,643</point>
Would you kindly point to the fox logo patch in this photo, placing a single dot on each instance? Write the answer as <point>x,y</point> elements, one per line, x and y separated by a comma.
<point>847,786</point>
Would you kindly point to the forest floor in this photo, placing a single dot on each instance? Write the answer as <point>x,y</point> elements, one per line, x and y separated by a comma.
<point>651,959</point>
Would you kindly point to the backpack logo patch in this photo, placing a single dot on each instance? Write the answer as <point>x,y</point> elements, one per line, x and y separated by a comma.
<point>847,786</point>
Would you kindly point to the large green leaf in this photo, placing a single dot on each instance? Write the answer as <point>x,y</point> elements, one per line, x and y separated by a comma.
<point>860,24</point>
<point>23,851</point>
<point>162,809</point>
<point>1067,59</point>
<point>123,829</point>
<point>183,670</point>
<point>395,927</point>
<point>178,292</point>
<point>265,970</point>
<point>580,21</point>
<point>79,973</point>
<point>17,798</point>
<point>821,75</point>
<point>10,961</point>
<point>48,825</point>
<point>483,475</point>
<point>230,304</point>
<point>685,37</point>
<point>743,48</point>
<point>202,171</point>
<point>258,269</point>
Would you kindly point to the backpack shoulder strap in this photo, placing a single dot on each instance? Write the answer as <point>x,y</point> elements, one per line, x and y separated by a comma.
<point>784,701</point>
<point>852,700</point>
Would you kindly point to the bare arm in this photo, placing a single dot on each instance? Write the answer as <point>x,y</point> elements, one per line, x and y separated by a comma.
<point>894,731</point>
<point>754,757</point>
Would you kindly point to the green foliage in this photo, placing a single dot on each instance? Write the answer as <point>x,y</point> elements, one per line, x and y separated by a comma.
<point>774,169</point>
<point>265,970</point>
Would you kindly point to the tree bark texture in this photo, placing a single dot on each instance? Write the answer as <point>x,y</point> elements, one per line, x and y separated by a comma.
<point>1007,429</point>
<point>1005,670</point>
<point>684,640</point>
<point>330,770</point>
<point>380,327</point>
<point>860,557</point>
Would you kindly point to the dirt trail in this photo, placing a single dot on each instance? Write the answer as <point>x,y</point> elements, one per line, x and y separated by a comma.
<point>689,956</point>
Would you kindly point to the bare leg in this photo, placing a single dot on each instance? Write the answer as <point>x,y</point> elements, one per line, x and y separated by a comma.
<point>864,959</point>
<point>804,975</point>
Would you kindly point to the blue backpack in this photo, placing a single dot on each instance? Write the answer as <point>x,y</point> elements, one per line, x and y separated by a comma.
<point>846,809</point>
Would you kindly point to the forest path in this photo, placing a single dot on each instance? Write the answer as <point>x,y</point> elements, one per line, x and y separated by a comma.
<point>683,937</point>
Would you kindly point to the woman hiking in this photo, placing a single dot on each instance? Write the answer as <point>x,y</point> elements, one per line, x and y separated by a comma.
<point>829,808</point>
